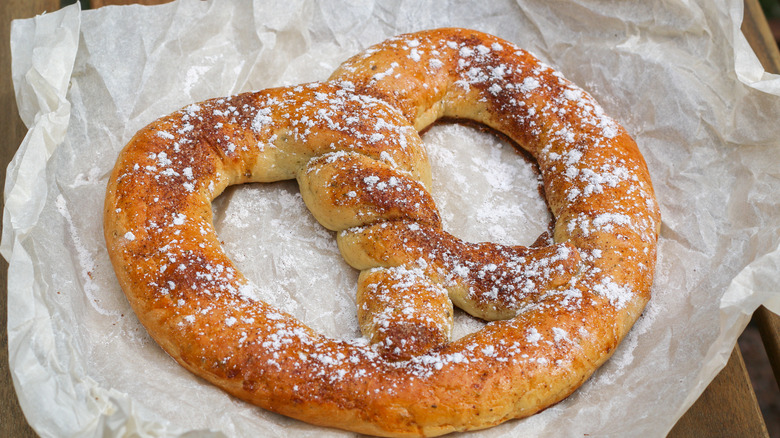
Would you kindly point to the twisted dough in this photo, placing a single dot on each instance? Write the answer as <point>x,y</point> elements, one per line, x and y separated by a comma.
<point>351,143</point>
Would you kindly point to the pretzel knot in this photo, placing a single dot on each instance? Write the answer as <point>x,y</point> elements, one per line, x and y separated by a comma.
<point>559,308</point>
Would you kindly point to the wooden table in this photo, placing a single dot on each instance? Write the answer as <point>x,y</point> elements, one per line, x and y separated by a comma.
<point>727,408</point>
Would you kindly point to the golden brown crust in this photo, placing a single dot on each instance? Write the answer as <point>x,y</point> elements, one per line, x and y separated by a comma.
<point>352,145</point>
<point>404,311</point>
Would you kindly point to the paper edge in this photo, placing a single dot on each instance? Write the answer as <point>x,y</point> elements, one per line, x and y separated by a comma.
<point>45,134</point>
<point>47,130</point>
<point>740,300</point>
<point>746,63</point>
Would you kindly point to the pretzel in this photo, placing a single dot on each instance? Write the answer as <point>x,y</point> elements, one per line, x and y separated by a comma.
<point>558,309</point>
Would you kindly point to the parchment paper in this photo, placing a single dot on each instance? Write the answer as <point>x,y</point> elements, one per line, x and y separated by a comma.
<point>678,74</point>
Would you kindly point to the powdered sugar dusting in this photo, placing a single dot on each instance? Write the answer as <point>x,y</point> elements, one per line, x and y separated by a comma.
<point>284,131</point>
<point>86,259</point>
<point>618,295</point>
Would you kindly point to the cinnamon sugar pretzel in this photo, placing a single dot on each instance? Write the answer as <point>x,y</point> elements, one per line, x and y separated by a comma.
<point>559,310</point>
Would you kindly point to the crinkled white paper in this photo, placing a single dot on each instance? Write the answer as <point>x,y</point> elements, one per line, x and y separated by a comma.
<point>678,74</point>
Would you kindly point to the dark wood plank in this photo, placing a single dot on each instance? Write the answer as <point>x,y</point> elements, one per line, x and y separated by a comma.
<point>727,408</point>
<point>769,327</point>
<point>759,35</point>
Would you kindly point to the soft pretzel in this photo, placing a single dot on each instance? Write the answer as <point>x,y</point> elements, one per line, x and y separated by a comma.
<point>560,308</point>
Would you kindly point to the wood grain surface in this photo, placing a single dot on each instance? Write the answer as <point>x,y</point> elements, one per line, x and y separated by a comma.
<point>727,408</point>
